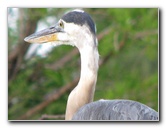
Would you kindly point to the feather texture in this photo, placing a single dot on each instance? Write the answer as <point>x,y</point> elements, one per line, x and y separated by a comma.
<point>115,110</point>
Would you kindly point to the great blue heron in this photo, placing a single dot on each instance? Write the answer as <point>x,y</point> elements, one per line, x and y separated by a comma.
<point>76,28</point>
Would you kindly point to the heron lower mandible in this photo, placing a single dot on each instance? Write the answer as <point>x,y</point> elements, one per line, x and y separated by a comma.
<point>77,28</point>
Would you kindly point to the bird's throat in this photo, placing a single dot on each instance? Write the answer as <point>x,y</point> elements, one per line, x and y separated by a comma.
<point>83,93</point>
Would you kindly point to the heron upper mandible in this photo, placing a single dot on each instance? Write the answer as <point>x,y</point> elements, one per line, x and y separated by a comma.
<point>77,28</point>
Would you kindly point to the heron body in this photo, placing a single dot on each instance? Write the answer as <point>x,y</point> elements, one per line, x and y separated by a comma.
<point>115,110</point>
<point>77,28</point>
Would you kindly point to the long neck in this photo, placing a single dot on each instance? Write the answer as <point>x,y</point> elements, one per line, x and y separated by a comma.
<point>83,93</point>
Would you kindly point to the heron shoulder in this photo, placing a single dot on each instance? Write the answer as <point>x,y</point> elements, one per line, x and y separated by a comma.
<point>115,110</point>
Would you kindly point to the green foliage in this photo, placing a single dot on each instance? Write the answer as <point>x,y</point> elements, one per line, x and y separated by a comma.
<point>130,73</point>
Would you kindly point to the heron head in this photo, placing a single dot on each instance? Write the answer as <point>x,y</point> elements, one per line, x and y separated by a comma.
<point>72,29</point>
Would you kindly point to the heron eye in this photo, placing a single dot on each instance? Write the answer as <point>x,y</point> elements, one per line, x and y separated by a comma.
<point>61,24</point>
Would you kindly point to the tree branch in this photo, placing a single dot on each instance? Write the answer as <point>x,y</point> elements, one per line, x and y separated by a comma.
<point>16,56</point>
<point>45,116</point>
<point>52,98</point>
<point>142,34</point>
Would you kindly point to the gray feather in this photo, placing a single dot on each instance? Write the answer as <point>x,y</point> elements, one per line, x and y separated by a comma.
<point>115,110</point>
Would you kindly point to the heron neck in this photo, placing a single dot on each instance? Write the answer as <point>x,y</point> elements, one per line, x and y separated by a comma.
<point>83,93</point>
<point>88,77</point>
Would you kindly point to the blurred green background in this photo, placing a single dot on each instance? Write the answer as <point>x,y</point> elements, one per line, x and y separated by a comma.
<point>128,47</point>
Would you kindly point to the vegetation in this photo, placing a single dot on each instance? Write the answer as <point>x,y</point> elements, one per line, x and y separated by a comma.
<point>128,47</point>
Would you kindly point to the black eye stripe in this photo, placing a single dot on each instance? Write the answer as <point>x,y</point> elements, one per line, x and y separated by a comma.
<point>80,18</point>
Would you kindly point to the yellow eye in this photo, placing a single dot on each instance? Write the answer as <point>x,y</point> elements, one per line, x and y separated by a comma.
<point>61,24</point>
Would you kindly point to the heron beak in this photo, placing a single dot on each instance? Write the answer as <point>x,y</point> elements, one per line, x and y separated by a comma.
<point>47,35</point>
